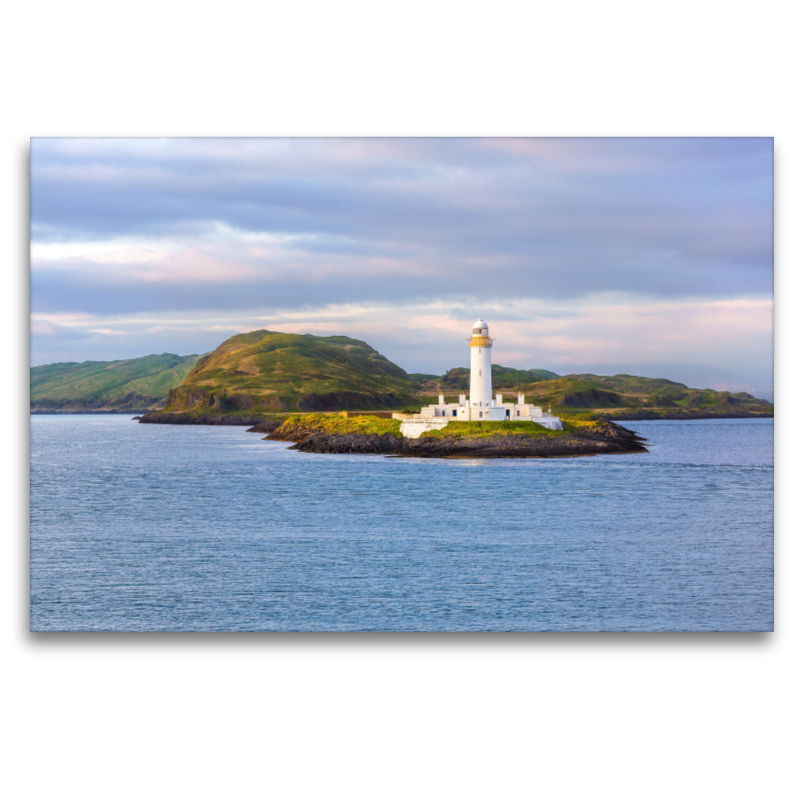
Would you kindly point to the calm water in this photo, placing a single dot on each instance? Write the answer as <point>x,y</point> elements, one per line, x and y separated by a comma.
<point>157,527</point>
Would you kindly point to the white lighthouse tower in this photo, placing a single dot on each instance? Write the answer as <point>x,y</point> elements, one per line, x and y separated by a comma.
<point>480,374</point>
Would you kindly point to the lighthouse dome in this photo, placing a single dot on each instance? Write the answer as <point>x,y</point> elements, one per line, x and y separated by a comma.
<point>480,326</point>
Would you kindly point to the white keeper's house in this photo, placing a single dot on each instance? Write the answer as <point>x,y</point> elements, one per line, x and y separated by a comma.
<point>481,405</point>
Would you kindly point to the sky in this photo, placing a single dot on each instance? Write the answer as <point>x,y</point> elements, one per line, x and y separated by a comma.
<point>646,256</point>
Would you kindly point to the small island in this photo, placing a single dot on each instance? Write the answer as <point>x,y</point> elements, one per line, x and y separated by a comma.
<point>481,426</point>
<point>370,434</point>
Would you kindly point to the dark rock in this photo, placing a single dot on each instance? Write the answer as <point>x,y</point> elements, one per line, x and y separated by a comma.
<point>604,438</point>
<point>188,397</point>
<point>265,426</point>
<point>350,443</point>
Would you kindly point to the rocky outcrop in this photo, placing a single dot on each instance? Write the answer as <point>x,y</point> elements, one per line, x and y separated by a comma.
<point>199,400</point>
<point>494,447</point>
<point>265,426</point>
<point>350,443</point>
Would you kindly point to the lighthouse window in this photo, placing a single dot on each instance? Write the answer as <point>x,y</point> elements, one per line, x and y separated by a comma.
<point>480,372</point>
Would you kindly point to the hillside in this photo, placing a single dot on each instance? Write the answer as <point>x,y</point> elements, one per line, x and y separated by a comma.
<point>263,372</point>
<point>133,385</point>
<point>456,380</point>
<point>624,397</point>
<point>266,372</point>
<point>632,397</point>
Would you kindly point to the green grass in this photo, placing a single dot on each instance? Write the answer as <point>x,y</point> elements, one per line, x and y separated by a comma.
<point>336,425</point>
<point>488,430</point>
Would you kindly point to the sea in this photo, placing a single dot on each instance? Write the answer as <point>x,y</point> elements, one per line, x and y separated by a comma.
<point>193,528</point>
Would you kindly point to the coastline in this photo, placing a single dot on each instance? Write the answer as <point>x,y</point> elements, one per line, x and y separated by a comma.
<point>625,415</point>
<point>646,415</point>
<point>254,420</point>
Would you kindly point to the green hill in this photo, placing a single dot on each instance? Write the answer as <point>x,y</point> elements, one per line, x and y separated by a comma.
<point>264,372</point>
<point>267,372</point>
<point>136,384</point>
<point>633,397</point>
<point>619,396</point>
<point>456,380</point>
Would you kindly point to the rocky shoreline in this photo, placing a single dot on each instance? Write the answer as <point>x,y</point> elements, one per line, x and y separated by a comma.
<point>184,418</point>
<point>74,412</point>
<point>602,438</point>
<point>179,418</point>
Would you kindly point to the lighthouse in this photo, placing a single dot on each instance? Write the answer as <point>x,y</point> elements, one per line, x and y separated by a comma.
<point>480,407</point>
<point>480,373</point>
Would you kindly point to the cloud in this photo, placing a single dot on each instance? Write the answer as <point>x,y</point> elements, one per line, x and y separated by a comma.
<point>571,216</point>
<point>543,234</point>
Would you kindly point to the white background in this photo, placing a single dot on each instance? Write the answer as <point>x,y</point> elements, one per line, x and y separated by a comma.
<point>639,716</point>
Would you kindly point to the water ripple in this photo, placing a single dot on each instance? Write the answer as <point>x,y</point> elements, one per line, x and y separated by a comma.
<point>148,527</point>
